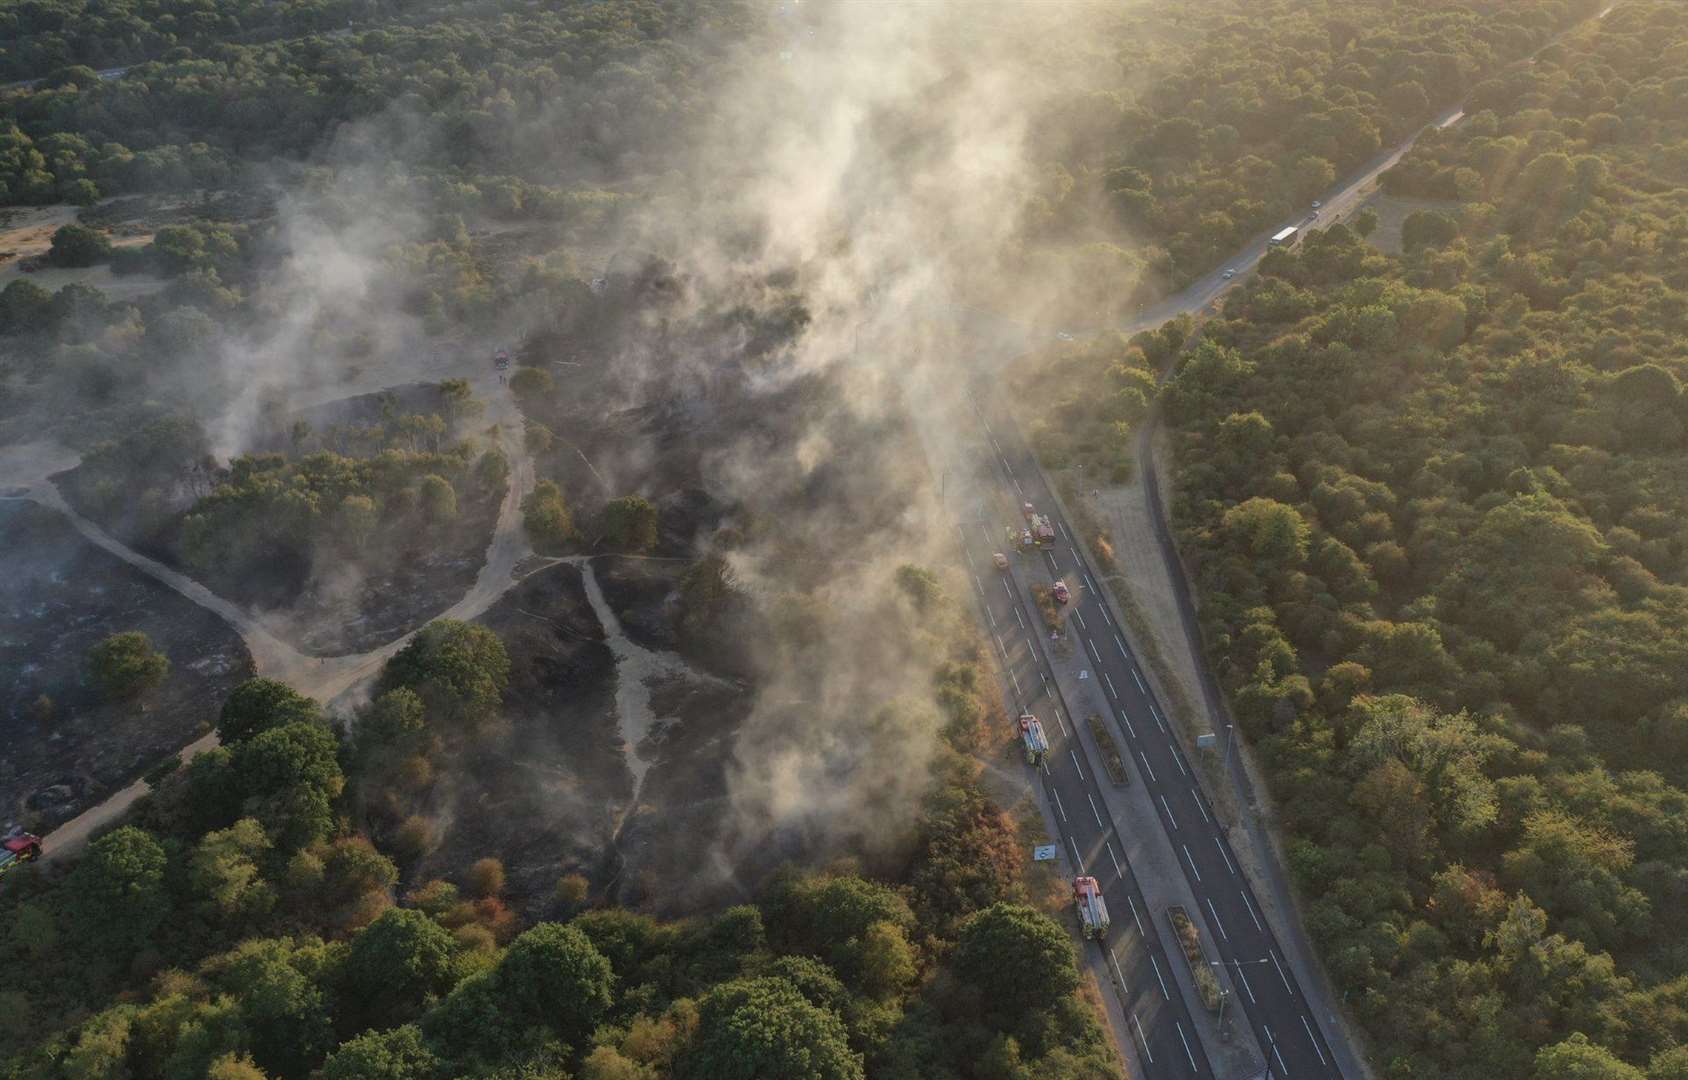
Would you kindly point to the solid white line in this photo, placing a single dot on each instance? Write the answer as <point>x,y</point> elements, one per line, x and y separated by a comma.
<point>1111,689</point>
<point>1224,856</point>
<point>1018,617</point>
<point>1244,976</point>
<point>1080,619</point>
<point>1076,765</point>
<point>1126,720</point>
<point>1122,651</point>
<point>1140,689</point>
<point>1211,910</point>
<point>1250,905</point>
<point>1097,814</point>
<point>1186,1043</point>
<point>1315,1040</point>
<point>1134,917</point>
<point>1203,809</point>
<point>1158,978</point>
<point>1178,760</point>
<point>1140,1038</point>
<point>1192,863</point>
<point>1169,816</point>
<point>1148,767</point>
<point>1118,974</point>
<point>1109,845</point>
<point>1281,974</point>
<point>1058,805</point>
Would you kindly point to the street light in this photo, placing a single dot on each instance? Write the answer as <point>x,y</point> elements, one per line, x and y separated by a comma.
<point>1230,737</point>
<point>1224,993</point>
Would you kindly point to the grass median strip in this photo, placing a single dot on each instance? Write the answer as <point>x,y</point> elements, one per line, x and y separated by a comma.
<point>1110,750</point>
<point>1190,943</point>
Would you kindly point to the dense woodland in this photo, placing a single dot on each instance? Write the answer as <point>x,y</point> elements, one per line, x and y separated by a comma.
<point>1435,507</point>
<point>1434,503</point>
<point>254,933</point>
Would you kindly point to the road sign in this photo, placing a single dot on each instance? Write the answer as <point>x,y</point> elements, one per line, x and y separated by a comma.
<point>1046,852</point>
<point>1207,741</point>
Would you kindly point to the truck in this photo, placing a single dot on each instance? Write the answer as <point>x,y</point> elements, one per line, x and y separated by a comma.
<point>1092,909</point>
<point>18,849</point>
<point>1284,237</point>
<point>1037,743</point>
<point>1043,530</point>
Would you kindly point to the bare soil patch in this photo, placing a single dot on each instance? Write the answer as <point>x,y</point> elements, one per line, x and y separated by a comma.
<point>59,596</point>
<point>1392,212</point>
<point>26,235</point>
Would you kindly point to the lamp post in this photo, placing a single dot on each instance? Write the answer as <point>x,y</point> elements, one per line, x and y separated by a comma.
<point>1230,737</point>
<point>1224,993</point>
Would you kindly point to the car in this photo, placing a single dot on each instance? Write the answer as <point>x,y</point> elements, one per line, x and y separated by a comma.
<point>1064,336</point>
<point>1229,274</point>
<point>1060,591</point>
<point>1000,560</point>
<point>1317,204</point>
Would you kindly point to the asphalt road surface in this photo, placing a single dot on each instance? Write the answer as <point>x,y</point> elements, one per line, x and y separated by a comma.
<point>1267,993</point>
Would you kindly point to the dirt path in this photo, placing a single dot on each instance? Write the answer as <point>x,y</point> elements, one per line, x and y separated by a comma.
<point>25,472</point>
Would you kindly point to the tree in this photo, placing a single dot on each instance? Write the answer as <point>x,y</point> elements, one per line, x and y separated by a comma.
<point>764,1029</point>
<point>492,470</point>
<point>289,777</point>
<point>257,705</point>
<point>459,668</point>
<point>1427,228</point>
<point>1576,1058</point>
<point>1365,222</point>
<point>529,384</point>
<point>1019,959</point>
<point>552,975</point>
<point>125,666</point>
<point>629,524</point>
<point>546,518</point>
<point>1269,530</point>
<point>226,870</point>
<point>398,966</point>
<point>438,499</point>
<point>78,245</point>
<point>24,307</point>
<point>399,1054</point>
<point>486,878</point>
<point>115,895</point>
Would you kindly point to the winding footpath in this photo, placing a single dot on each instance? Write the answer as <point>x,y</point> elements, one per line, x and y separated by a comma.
<point>25,473</point>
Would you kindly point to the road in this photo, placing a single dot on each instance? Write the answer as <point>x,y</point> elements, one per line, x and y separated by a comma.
<point>1159,1017</point>
<point>1268,994</point>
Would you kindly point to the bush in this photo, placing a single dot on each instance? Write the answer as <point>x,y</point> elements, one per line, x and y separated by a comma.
<point>125,666</point>
<point>78,245</point>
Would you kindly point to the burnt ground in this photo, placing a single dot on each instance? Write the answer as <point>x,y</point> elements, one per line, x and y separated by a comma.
<point>541,792</point>
<point>327,604</point>
<point>59,596</point>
